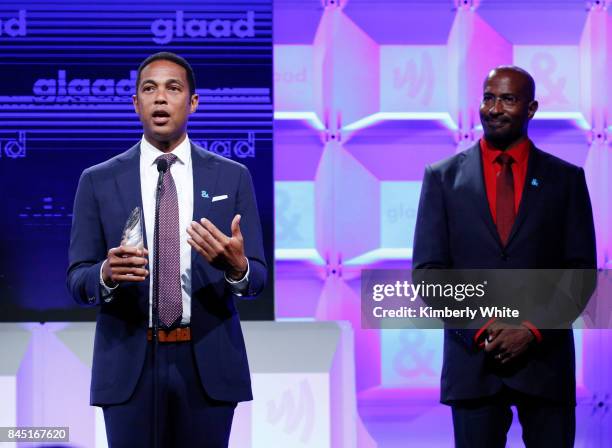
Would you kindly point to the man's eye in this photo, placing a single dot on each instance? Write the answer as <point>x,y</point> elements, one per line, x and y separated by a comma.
<point>147,88</point>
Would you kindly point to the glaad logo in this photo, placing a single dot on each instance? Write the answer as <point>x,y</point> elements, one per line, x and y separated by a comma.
<point>14,27</point>
<point>413,82</point>
<point>13,148</point>
<point>85,86</point>
<point>165,30</point>
<point>294,411</point>
<point>291,76</point>
<point>226,148</point>
<point>401,212</point>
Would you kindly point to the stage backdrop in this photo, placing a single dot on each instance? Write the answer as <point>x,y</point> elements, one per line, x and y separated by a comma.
<point>67,73</point>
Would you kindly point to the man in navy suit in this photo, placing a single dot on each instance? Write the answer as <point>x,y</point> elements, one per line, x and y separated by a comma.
<point>504,204</point>
<point>210,251</point>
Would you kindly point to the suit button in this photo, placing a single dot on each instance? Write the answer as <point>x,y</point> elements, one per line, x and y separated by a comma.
<point>504,257</point>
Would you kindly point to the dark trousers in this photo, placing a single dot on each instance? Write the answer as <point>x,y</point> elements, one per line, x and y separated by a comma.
<point>188,417</point>
<point>485,422</point>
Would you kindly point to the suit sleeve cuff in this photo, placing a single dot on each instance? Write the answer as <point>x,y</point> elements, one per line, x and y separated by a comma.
<point>239,287</point>
<point>536,333</point>
<point>480,333</point>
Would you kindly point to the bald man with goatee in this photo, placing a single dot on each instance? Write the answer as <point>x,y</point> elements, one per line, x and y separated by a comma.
<point>505,204</point>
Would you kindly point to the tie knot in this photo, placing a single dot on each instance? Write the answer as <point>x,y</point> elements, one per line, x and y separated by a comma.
<point>169,158</point>
<point>504,159</point>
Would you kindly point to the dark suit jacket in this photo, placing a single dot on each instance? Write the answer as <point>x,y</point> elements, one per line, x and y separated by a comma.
<point>106,195</point>
<point>553,230</point>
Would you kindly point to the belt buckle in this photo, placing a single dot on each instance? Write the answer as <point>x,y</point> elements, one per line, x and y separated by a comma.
<point>171,336</point>
<point>182,333</point>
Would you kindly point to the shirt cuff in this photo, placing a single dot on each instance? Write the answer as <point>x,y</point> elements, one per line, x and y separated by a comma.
<point>107,291</point>
<point>239,287</point>
<point>534,330</point>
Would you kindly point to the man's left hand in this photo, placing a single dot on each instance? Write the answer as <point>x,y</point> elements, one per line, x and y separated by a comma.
<point>507,342</point>
<point>222,252</point>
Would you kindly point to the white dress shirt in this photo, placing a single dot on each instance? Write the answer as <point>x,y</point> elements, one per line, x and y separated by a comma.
<point>182,173</point>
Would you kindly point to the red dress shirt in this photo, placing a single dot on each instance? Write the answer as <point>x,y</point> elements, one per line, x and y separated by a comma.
<point>490,169</point>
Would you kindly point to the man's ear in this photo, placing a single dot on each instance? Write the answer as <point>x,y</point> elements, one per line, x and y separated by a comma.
<point>532,108</point>
<point>135,103</point>
<point>195,100</point>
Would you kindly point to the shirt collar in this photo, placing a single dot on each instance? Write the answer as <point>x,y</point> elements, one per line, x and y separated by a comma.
<point>150,153</point>
<point>519,151</point>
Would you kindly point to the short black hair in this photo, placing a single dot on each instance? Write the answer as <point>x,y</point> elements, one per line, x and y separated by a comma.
<point>172,57</point>
<point>513,68</point>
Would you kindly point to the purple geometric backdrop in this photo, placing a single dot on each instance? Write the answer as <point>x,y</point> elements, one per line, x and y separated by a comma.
<point>369,92</point>
<point>366,94</point>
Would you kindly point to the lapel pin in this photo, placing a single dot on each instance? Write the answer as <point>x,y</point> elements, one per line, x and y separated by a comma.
<point>204,194</point>
<point>534,182</point>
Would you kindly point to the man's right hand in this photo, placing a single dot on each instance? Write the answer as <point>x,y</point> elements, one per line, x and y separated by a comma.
<point>125,264</point>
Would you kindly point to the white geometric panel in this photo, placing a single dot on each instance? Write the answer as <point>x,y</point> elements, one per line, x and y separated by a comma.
<point>411,358</point>
<point>399,203</point>
<point>556,71</point>
<point>294,210</point>
<point>413,78</point>
<point>293,78</point>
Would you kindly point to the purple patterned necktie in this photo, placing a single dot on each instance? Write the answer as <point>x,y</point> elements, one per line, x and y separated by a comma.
<point>170,295</point>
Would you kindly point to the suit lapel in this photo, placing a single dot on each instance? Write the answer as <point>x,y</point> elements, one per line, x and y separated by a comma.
<point>473,182</point>
<point>530,197</point>
<point>205,176</point>
<point>128,180</point>
<point>129,194</point>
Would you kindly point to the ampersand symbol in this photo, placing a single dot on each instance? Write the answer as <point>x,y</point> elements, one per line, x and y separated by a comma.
<point>413,361</point>
<point>286,225</point>
<point>544,66</point>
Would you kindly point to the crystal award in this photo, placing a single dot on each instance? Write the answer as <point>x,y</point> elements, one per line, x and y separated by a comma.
<point>132,232</point>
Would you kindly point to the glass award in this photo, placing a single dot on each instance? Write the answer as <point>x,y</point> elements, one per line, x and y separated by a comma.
<point>132,232</point>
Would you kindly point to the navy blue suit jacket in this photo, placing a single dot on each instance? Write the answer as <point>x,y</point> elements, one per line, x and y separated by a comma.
<point>106,195</point>
<point>553,230</point>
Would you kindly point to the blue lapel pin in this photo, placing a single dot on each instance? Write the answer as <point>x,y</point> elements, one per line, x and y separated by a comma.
<point>534,182</point>
<point>204,194</point>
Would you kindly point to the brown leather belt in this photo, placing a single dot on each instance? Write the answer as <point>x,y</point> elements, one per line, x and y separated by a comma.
<point>174,335</point>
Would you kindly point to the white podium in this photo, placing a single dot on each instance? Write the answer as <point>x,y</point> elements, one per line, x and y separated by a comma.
<point>303,385</point>
<point>302,373</point>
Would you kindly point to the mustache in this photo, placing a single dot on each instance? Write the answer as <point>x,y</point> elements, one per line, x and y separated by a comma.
<point>489,119</point>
